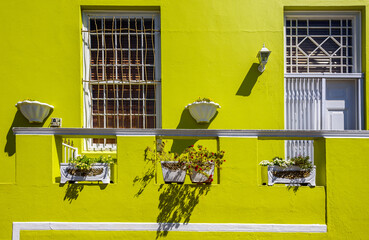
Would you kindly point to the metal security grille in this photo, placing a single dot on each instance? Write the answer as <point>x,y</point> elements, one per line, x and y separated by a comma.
<point>319,45</point>
<point>123,77</point>
<point>303,101</point>
<point>303,98</point>
<point>297,148</point>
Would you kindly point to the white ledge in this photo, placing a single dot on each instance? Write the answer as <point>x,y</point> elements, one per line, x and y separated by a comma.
<point>200,133</point>
<point>149,226</point>
<point>325,75</point>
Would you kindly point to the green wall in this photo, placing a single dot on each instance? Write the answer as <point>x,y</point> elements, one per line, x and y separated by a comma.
<point>208,49</point>
<point>139,195</point>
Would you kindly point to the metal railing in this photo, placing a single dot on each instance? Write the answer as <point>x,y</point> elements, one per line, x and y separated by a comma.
<point>69,151</point>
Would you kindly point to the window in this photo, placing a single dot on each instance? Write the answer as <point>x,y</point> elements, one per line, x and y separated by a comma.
<point>316,44</point>
<point>323,81</point>
<point>121,79</point>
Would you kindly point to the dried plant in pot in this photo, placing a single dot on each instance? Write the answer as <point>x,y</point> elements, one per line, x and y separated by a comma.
<point>84,168</point>
<point>297,170</point>
<point>172,166</point>
<point>201,163</point>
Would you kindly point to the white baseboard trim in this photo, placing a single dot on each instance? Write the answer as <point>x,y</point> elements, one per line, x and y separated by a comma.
<point>190,227</point>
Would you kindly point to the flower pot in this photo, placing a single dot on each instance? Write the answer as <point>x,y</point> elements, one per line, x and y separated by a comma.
<point>291,175</point>
<point>173,172</point>
<point>197,177</point>
<point>203,111</point>
<point>34,111</point>
<point>97,172</point>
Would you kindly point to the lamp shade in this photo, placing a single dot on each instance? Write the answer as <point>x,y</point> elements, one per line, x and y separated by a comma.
<point>263,54</point>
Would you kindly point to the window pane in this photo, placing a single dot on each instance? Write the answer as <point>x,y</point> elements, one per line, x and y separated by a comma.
<point>327,41</point>
<point>121,72</point>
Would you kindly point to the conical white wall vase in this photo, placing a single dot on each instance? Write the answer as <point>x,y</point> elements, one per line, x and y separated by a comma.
<point>34,111</point>
<point>203,111</point>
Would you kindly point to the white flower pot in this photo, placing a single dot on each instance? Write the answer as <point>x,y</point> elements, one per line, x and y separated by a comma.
<point>197,177</point>
<point>173,175</point>
<point>34,111</point>
<point>102,173</point>
<point>203,111</point>
<point>272,179</point>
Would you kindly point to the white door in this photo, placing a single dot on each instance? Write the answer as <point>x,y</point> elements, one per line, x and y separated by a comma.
<point>340,105</point>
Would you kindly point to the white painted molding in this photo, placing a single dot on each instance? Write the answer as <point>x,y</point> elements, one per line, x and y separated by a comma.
<point>325,75</point>
<point>196,133</point>
<point>190,227</point>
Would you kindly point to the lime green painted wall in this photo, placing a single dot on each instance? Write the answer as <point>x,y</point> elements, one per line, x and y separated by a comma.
<point>348,213</point>
<point>208,49</point>
<point>138,194</point>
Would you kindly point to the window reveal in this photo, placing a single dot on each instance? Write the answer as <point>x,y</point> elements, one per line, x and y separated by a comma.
<point>122,76</point>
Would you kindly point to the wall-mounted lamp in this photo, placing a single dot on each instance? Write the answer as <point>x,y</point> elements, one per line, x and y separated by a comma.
<point>263,56</point>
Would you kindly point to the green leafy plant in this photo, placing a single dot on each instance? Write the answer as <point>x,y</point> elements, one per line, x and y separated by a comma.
<point>299,161</point>
<point>85,163</point>
<point>198,159</point>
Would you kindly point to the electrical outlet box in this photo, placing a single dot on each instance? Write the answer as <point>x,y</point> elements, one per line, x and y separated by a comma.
<point>56,122</point>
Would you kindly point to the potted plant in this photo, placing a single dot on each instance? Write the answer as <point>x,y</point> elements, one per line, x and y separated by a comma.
<point>84,168</point>
<point>201,163</point>
<point>34,111</point>
<point>297,170</point>
<point>203,109</point>
<point>172,166</point>
<point>198,162</point>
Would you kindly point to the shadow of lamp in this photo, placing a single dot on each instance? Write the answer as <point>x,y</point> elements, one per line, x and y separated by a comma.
<point>263,56</point>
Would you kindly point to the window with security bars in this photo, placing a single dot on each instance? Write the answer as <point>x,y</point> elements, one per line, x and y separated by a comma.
<point>121,71</point>
<point>320,44</point>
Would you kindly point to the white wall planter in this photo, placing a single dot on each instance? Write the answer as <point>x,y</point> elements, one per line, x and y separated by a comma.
<point>203,111</point>
<point>274,178</point>
<point>34,111</point>
<point>170,175</point>
<point>98,172</point>
<point>197,177</point>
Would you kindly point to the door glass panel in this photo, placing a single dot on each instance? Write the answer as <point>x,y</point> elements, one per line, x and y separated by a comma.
<point>341,105</point>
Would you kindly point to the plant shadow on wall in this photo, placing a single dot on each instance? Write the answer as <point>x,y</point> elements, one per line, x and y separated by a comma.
<point>74,189</point>
<point>148,174</point>
<point>18,121</point>
<point>187,122</point>
<point>176,205</point>
<point>293,188</point>
<point>249,81</point>
<point>72,192</point>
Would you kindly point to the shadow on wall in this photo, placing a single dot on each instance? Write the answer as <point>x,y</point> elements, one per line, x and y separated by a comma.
<point>74,189</point>
<point>18,121</point>
<point>176,204</point>
<point>188,122</point>
<point>148,174</point>
<point>249,81</point>
<point>72,192</point>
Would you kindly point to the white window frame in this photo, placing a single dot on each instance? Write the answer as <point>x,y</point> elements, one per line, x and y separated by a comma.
<point>355,16</point>
<point>356,76</point>
<point>87,115</point>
